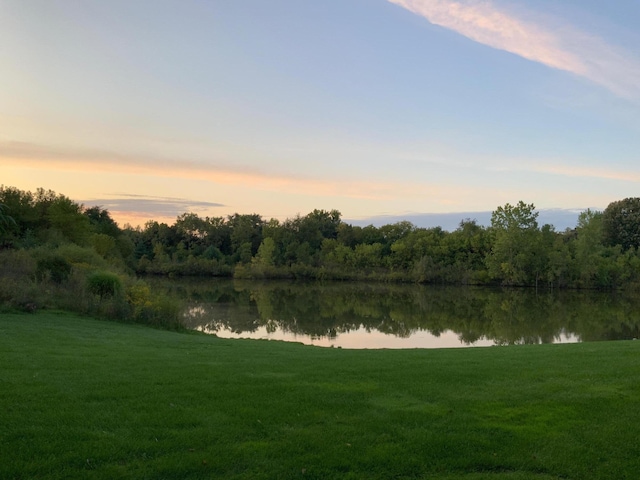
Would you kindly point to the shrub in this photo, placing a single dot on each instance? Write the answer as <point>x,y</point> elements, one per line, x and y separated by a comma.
<point>54,267</point>
<point>104,284</point>
<point>81,256</point>
<point>22,295</point>
<point>16,264</point>
<point>103,244</point>
<point>156,310</point>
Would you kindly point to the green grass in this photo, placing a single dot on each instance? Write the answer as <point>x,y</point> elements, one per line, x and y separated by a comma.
<point>81,398</point>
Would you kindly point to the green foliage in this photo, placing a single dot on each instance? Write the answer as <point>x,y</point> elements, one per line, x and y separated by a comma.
<point>246,229</point>
<point>103,244</point>
<point>317,226</point>
<point>621,223</point>
<point>519,217</point>
<point>104,284</point>
<point>367,256</point>
<point>599,253</point>
<point>516,245</point>
<point>53,266</point>
<point>243,253</point>
<point>265,255</point>
<point>513,251</point>
<point>17,264</point>
<point>101,222</point>
<point>65,216</point>
<point>161,311</point>
<point>213,253</point>
<point>589,247</point>
<point>6,220</point>
<point>18,287</point>
<point>23,212</point>
<point>55,217</point>
<point>85,258</point>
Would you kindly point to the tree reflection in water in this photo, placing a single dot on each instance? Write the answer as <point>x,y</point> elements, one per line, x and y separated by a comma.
<point>473,314</point>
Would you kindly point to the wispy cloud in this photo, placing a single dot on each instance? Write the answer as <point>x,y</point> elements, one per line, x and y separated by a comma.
<point>145,204</point>
<point>25,154</point>
<point>556,45</point>
<point>571,169</point>
<point>138,209</point>
<point>589,172</point>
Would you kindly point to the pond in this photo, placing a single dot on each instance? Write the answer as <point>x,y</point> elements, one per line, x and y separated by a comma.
<point>363,315</point>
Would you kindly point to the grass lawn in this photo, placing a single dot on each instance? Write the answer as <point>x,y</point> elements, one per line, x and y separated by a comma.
<point>81,398</point>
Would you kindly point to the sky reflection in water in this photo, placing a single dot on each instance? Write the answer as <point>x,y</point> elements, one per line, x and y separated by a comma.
<point>404,316</point>
<point>365,339</point>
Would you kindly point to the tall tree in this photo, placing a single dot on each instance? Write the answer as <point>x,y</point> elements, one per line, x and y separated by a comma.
<point>246,229</point>
<point>621,223</point>
<point>102,222</point>
<point>65,216</point>
<point>20,205</point>
<point>6,220</point>
<point>318,225</point>
<point>516,240</point>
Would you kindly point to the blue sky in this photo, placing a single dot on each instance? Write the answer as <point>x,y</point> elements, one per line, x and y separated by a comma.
<point>377,107</point>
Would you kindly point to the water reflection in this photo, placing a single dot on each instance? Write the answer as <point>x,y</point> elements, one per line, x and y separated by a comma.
<point>402,316</point>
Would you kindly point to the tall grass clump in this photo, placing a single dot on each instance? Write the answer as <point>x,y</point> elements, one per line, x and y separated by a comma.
<point>104,284</point>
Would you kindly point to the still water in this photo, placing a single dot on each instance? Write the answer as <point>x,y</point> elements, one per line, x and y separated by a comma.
<point>357,315</point>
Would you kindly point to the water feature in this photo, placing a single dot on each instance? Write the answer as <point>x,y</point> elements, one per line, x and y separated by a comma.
<point>358,315</point>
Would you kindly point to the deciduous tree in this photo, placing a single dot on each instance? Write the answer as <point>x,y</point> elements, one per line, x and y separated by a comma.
<point>621,223</point>
<point>516,237</point>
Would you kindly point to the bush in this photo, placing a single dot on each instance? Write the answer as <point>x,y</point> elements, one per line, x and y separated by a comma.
<point>53,267</point>
<point>78,256</point>
<point>23,295</point>
<point>155,310</point>
<point>16,264</point>
<point>104,284</point>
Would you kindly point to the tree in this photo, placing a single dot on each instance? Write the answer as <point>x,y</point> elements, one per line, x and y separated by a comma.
<point>516,239</point>
<point>417,244</point>
<point>265,255</point>
<point>101,221</point>
<point>316,226</point>
<point>246,229</point>
<point>218,234</point>
<point>389,234</point>
<point>621,223</point>
<point>157,240</point>
<point>6,220</point>
<point>588,246</point>
<point>348,235</point>
<point>20,206</point>
<point>66,216</point>
<point>367,256</point>
<point>468,246</point>
<point>520,217</point>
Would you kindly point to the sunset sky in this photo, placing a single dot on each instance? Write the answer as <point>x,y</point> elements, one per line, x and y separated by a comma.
<point>372,107</point>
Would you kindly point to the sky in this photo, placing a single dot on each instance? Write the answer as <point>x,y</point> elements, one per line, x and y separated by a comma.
<point>376,108</point>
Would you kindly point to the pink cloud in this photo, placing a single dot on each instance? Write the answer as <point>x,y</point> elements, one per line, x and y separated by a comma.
<point>561,47</point>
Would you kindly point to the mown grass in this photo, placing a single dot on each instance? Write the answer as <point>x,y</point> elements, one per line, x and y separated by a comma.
<point>81,398</point>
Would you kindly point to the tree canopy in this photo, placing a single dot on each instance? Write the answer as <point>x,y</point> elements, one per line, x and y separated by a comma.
<point>621,223</point>
<point>600,252</point>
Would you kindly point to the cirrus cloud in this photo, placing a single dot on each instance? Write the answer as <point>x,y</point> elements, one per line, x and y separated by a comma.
<point>544,40</point>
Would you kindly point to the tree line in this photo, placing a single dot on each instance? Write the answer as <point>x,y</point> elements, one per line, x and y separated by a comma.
<point>601,251</point>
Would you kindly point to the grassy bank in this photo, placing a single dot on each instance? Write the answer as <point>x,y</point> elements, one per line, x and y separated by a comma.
<point>81,398</point>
